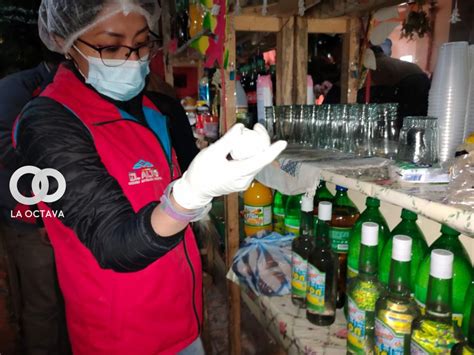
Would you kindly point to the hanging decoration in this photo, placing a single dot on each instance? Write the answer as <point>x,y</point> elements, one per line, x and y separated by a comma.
<point>215,52</point>
<point>301,8</point>
<point>455,17</point>
<point>417,21</point>
<point>237,7</point>
<point>265,8</point>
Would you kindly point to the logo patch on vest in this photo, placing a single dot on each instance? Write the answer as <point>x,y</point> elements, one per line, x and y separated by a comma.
<point>143,171</point>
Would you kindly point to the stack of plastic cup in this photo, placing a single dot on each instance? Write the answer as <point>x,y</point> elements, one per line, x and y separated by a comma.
<point>448,96</point>
<point>469,124</point>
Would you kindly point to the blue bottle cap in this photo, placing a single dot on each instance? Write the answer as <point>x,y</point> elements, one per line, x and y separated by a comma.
<point>341,188</point>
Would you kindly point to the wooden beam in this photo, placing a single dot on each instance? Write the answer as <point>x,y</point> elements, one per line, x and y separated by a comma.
<point>350,60</point>
<point>284,64</point>
<point>231,201</point>
<point>335,8</point>
<point>257,23</point>
<point>301,60</point>
<point>333,25</point>
<point>282,8</point>
<point>166,29</point>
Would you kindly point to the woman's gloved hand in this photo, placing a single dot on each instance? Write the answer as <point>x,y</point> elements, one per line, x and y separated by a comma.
<point>212,174</point>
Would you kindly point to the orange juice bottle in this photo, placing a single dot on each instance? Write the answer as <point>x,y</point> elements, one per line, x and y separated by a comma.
<point>257,209</point>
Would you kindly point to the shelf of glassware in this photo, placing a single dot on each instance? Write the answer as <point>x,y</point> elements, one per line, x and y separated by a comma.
<point>299,170</point>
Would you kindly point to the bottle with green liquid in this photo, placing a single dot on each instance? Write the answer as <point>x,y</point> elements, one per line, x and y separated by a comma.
<point>467,347</point>
<point>279,201</point>
<point>462,269</point>
<point>322,194</point>
<point>434,332</point>
<point>408,227</point>
<point>300,248</point>
<point>293,214</point>
<point>362,294</point>
<point>322,273</point>
<point>344,216</point>
<point>370,214</point>
<point>396,309</point>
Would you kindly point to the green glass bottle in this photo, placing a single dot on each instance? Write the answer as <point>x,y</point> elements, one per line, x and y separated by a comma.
<point>396,309</point>
<point>322,273</point>
<point>468,317</point>
<point>344,216</point>
<point>467,347</point>
<point>362,294</point>
<point>370,214</point>
<point>293,214</point>
<point>279,201</point>
<point>322,194</point>
<point>409,227</point>
<point>434,332</point>
<point>301,247</point>
<point>462,270</point>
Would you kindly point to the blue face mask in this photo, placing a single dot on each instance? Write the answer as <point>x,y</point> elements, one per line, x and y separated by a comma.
<point>121,83</point>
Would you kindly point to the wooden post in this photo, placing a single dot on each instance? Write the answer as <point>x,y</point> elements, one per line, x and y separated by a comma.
<point>300,60</point>
<point>284,65</point>
<point>166,28</point>
<point>231,201</point>
<point>350,60</point>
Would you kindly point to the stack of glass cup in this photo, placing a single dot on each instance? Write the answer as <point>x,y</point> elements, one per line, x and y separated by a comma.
<point>361,129</point>
<point>448,96</point>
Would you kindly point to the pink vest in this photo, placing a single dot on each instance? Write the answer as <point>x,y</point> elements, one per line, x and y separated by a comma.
<point>153,311</point>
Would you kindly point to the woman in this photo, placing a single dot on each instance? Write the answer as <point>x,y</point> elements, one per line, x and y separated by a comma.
<point>127,260</point>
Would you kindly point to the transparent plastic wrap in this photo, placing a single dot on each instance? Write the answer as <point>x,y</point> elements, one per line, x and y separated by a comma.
<point>461,186</point>
<point>264,264</point>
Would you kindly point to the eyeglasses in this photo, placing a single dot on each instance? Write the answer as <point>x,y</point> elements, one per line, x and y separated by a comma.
<point>114,56</point>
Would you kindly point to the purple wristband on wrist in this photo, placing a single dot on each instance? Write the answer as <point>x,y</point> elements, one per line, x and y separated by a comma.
<point>168,207</point>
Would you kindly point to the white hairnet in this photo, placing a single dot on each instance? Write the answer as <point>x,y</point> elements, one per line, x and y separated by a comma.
<point>69,19</point>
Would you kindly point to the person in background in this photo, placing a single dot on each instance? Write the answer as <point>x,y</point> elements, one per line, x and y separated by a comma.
<point>127,260</point>
<point>398,81</point>
<point>37,301</point>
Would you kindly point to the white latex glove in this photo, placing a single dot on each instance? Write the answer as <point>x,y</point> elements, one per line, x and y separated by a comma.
<point>256,141</point>
<point>211,174</point>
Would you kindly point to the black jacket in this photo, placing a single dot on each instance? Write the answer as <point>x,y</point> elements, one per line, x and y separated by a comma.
<point>16,90</point>
<point>94,204</point>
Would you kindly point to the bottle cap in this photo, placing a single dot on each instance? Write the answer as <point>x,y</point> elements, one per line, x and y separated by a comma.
<point>401,250</point>
<point>372,202</point>
<point>370,233</point>
<point>448,230</point>
<point>407,214</point>
<point>341,188</point>
<point>441,265</point>
<point>307,203</point>
<point>325,211</point>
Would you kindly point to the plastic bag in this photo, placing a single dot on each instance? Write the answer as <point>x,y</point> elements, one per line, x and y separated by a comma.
<point>461,187</point>
<point>264,264</point>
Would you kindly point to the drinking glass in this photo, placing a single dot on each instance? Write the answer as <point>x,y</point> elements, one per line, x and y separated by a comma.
<point>419,140</point>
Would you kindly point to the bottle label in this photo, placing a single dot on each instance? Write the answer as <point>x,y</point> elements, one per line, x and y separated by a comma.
<point>421,306</point>
<point>389,341</point>
<point>351,272</point>
<point>433,337</point>
<point>316,290</point>
<point>339,239</point>
<point>258,216</point>
<point>299,268</point>
<point>457,318</point>
<point>292,229</point>
<point>417,349</point>
<point>356,325</point>
<point>279,223</point>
